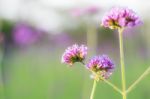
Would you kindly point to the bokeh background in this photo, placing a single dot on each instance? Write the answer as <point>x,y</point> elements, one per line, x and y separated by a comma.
<point>35,33</point>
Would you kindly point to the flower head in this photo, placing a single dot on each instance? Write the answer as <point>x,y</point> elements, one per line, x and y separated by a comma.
<point>119,17</point>
<point>75,53</point>
<point>101,65</point>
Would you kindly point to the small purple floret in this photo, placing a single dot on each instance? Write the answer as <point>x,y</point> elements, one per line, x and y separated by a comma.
<point>101,65</point>
<point>73,54</point>
<point>119,17</point>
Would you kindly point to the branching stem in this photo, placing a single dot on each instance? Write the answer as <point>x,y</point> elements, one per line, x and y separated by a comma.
<point>146,72</point>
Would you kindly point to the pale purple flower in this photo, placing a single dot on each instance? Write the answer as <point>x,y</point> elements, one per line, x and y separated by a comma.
<point>101,65</point>
<point>119,17</point>
<point>89,10</point>
<point>61,39</point>
<point>76,12</point>
<point>24,34</point>
<point>73,54</point>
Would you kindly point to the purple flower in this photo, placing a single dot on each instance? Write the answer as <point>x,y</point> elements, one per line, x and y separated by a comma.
<point>119,17</point>
<point>73,54</point>
<point>101,65</point>
<point>23,34</point>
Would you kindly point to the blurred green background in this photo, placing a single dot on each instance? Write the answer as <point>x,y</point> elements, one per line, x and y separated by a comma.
<point>31,48</point>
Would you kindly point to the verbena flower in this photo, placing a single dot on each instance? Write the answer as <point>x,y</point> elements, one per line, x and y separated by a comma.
<point>101,65</point>
<point>119,17</point>
<point>73,54</point>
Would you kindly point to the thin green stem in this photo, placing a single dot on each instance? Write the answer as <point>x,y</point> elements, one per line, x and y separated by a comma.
<point>107,82</point>
<point>122,63</point>
<point>112,85</point>
<point>91,37</point>
<point>146,72</point>
<point>93,90</point>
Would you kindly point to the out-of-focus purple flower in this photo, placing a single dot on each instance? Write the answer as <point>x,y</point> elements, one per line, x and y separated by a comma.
<point>90,10</point>
<point>2,37</point>
<point>73,54</point>
<point>76,12</point>
<point>25,35</point>
<point>61,39</point>
<point>119,17</point>
<point>101,65</point>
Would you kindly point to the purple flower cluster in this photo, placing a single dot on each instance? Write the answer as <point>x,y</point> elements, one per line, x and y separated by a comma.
<point>74,54</point>
<point>101,65</point>
<point>119,17</point>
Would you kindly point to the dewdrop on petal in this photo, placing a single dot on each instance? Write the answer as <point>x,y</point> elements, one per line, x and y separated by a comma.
<point>73,54</point>
<point>101,66</point>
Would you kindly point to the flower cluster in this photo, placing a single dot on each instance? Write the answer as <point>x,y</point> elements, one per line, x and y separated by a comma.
<point>101,65</point>
<point>74,54</point>
<point>120,17</point>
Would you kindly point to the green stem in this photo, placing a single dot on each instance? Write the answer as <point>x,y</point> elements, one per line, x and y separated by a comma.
<point>112,85</point>
<point>147,71</point>
<point>91,37</point>
<point>107,82</point>
<point>93,90</point>
<point>122,63</point>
